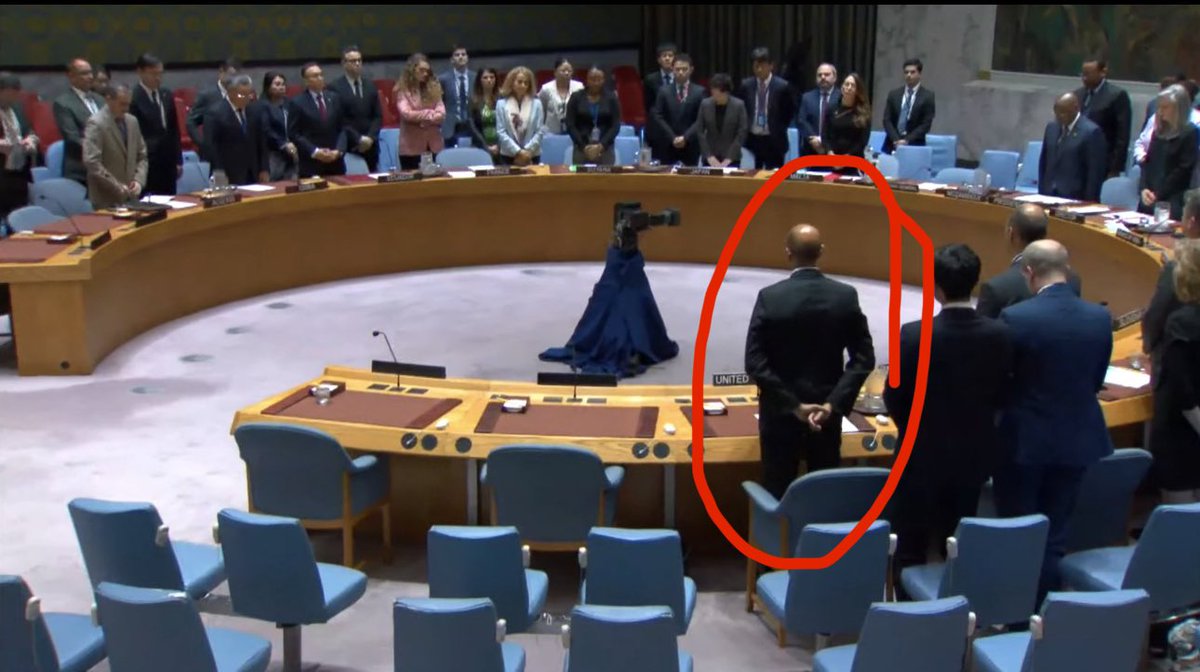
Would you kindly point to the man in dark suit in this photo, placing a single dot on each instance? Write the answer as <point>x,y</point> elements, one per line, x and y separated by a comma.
<point>770,108</point>
<point>154,107</point>
<point>675,114</point>
<point>1027,224</point>
<point>321,134</point>
<point>237,142</point>
<point>908,115</point>
<point>816,109</point>
<point>1165,301</point>
<point>1108,105</point>
<point>208,98</point>
<point>457,84</point>
<point>956,445</point>
<point>1074,155</point>
<point>360,105</point>
<point>800,332</point>
<point>71,113</point>
<point>663,76</point>
<point>1052,427</point>
<point>18,147</point>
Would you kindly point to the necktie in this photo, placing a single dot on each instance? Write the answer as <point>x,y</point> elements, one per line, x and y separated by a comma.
<point>162,115</point>
<point>358,88</point>
<point>761,106</point>
<point>1087,100</point>
<point>669,79</point>
<point>124,131</point>
<point>681,93</point>
<point>242,119</point>
<point>462,96</point>
<point>821,119</point>
<point>90,104</point>
<point>321,105</point>
<point>1063,134</point>
<point>904,110</point>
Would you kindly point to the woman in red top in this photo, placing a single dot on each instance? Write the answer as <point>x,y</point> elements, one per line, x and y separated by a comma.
<point>419,100</point>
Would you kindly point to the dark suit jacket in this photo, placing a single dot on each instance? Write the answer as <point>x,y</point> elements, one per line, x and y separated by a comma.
<point>277,124</point>
<point>650,86</point>
<point>672,118</point>
<point>1111,110</point>
<point>920,117</point>
<point>800,331</point>
<point>1009,288</point>
<point>71,116</point>
<point>808,120</point>
<point>364,115</point>
<point>1075,166</point>
<point>162,142</point>
<point>724,142</point>
<point>310,133</point>
<point>1162,304</point>
<point>579,119</point>
<point>956,440</point>
<point>1062,347</point>
<point>1168,169</point>
<point>195,118</point>
<point>448,80</point>
<point>781,107</point>
<point>241,154</point>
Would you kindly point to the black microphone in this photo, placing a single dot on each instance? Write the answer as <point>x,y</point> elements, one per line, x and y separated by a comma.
<point>388,341</point>
<point>70,219</point>
<point>574,375</point>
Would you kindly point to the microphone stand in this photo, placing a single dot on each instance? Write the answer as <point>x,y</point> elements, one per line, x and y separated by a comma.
<point>388,341</point>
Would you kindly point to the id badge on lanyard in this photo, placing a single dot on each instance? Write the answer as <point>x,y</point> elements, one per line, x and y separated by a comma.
<point>595,122</point>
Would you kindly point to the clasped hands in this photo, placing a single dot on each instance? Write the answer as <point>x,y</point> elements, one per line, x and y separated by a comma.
<point>593,152</point>
<point>717,163</point>
<point>327,155</point>
<point>814,414</point>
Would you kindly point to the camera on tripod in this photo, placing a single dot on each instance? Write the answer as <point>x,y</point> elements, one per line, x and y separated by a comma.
<point>629,220</point>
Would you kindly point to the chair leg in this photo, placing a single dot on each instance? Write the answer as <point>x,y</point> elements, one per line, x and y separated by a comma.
<point>291,648</point>
<point>348,545</point>
<point>749,585</point>
<point>781,634</point>
<point>387,532</point>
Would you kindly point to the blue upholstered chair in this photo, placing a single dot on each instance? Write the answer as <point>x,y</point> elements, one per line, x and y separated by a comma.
<point>553,495</point>
<point>627,148</point>
<point>304,473</point>
<point>1027,174</point>
<point>434,635</point>
<point>24,219</point>
<point>37,642</point>
<point>191,156</point>
<point>888,165</point>
<point>829,496</point>
<point>793,144</point>
<point>462,157</point>
<point>1101,514</point>
<point>555,148</point>
<point>622,639</point>
<point>945,151</point>
<point>833,600</point>
<point>127,543</point>
<point>876,141</point>
<point>274,577</point>
<point>194,178</point>
<point>153,630</point>
<point>1120,192</point>
<point>916,163</point>
<point>747,159</point>
<point>470,562</point>
<point>355,164</point>
<point>994,562</point>
<point>1002,166</point>
<point>61,196</point>
<point>54,158</point>
<point>627,130</point>
<point>636,568</point>
<point>906,637</point>
<point>955,176</point>
<point>1076,631</point>
<point>389,148</point>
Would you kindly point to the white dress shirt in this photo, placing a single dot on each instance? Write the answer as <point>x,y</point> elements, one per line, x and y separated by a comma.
<point>555,106</point>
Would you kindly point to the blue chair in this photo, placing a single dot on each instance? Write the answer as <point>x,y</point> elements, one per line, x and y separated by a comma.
<point>26,218</point>
<point>194,178</point>
<point>955,176</point>
<point>1119,192</point>
<point>888,165</point>
<point>300,472</point>
<point>627,149</point>
<point>906,637</point>
<point>127,543</point>
<point>994,562</point>
<point>1002,166</point>
<point>793,144</point>
<point>389,149</point>
<point>829,496</point>
<point>876,141</point>
<point>152,630</point>
<point>834,600</point>
<point>637,568</point>
<point>556,148</point>
<point>61,196</point>
<point>437,635</point>
<point>355,164</point>
<point>1163,562</point>
<point>41,642</point>
<point>747,159</point>
<point>553,495</point>
<point>1027,174</point>
<point>1076,631</point>
<point>54,163</point>
<point>191,157</point>
<point>1101,515</point>
<point>945,151</point>
<point>470,562</point>
<point>274,577</point>
<point>916,163</point>
<point>621,639</point>
<point>1135,174</point>
<point>627,130</point>
<point>462,157</point>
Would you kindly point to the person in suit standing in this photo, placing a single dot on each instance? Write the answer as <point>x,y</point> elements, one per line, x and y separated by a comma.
<point>663,76</point>
<point>114,152</point>
<point>801,331</point>
<point>593,119</point>
<point>1052,428</point>
<point>457,84</point>
<point>154,107</point>
<point>723,124</point>
<point>208,98</point>
<point>1175,428</point>
<point>1165,301</point>
<point>1074,157</point>
<point>1027,224</point>
<point>237,143</point>
<point>1172,156</point>
<point>945,474</point>
<point>71,113</point>
<point>18,147</point>
<point>816,109</point>
<point>360,105</point>
<point>908,114</point>
<point>319,127</point>
<point>275,114</point>
<point>675,115</point>
<point>770,108</point>
<point>1108,105</point>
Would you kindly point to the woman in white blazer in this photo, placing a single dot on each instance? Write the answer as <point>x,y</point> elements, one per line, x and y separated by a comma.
<point>555,94</point>
<point>520,119</point>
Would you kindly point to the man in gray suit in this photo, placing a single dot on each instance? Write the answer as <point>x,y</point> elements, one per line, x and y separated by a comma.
<point>71,112</point>
<point>457,84</point>
<point>114,152</point>
<point>723,125</point>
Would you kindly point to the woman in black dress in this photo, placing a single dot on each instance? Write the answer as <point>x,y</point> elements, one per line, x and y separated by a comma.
<point>1171,157</point>
<point>593,120</point>
<point>1175,429</point>
<point>849,131</point>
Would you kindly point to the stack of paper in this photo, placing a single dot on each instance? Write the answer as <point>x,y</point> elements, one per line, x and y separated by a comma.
<point>256,187</point>
<point>1044,200</point>
<point>463,173</point>
<point>1123,377</point>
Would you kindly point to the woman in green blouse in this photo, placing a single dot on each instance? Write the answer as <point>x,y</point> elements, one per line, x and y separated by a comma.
<point>483,112</point>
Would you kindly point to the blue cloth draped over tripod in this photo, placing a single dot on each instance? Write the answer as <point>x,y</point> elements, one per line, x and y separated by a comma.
<point>621,331</point>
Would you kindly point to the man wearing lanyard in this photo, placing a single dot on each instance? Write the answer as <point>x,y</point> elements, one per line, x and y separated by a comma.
<point>154,107</point>
<point>772,109</point>
<point>457,84</point>
<point>908,115</point>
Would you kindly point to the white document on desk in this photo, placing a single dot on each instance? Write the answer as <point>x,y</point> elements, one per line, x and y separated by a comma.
<point>849,427</point>
<point>1044,200</point>
<point>158,200</point>
<point>931,186</point>
<point>1123,377</point>
<point>256,187</point>
<point>1090,210</point>
<point>461,173</point>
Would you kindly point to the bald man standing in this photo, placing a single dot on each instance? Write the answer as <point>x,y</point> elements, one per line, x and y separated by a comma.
<point>800,332</point>
<point>1074,156</point>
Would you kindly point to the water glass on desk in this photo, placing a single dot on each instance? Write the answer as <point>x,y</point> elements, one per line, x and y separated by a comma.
<point>1162,213</point>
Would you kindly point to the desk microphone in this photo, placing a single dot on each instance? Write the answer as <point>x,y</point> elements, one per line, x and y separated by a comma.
<point>70,218</point>
<point>574,375</point>
<point>388,341</point>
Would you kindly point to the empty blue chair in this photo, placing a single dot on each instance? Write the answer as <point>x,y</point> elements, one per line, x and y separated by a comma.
<point>195,177</point>
<point>747,159</point>
<point>152,630</point>
<point>304,473</point>
<point>127,543</point>
<point>462,157</point>
<point>994,562</point>
<point>431,635</point>
<point>469,562</point>
<point>916,163</point>
<point>906,637</point>
<point>944,149</point>
<point>61,196</point>
<point>793,144</point>
<point>1002,166</point>
<point>31,640</point>
<point>627,149</point>
<point>622,639</point>
<point>637,568</point>
<point>1101,514</point>
<point>274,577</point>
<point>1135,174</point>
<point>26,218</point>
<point>888,165</point>
<point>555,148</point>
<point>955,176</point>
<point>876,141</point>
<point>54,163</point>
<point>1076,631</point>
<point>191,157</point>
<point>389,148</point>
<point>355,164</point>
<point>553,495</point>
<point>833,600</point>
<point>1119,192</point>
<point>1027,174</point>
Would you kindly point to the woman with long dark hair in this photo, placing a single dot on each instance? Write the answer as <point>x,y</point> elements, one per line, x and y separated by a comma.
<point>482,118</point>
<point>275,112</point>
<point>849,131</point>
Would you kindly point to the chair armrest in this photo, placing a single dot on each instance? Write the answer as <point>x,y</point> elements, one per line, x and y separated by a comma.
<point>566,636</point>
<point>614,476</point>
<point>33,609</point>
<point>483,474</point>
<point>1036,627</point>
<point>363,463</point>
<point>760,498</point>
<point>501,630</point>
<point>162,537</point>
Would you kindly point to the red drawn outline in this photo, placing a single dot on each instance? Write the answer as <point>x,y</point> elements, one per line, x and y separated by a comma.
<point>897,219</point>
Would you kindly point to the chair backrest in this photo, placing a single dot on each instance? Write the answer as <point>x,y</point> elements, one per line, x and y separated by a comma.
<point>24,219</point>
<point>389,148</point>
<point>271,569</point>
<point>619,639</point>
<point>468,562</point>
<point>828,496</point>
<point>1164,561</point>
<point>355,164</point>
<point>194,178</point>
<point>292,470</point>
<point>835,600</point>
<point>54,158</point>
<point>626,130</point>
<point>888,165</point>
<point>876,141</point>
<point>556,149</point>
<point>1027,176</point>
<point>955,176</point>
<point>1002,166</point>
<point>461,157</point>
<point>60,196</point>
<point>191,156</point>
<point>636,568</point>
<point>121,543</point>
<point>150,630</point>
<point>26,643</point>
<point>914,636</point>
<point>793,143</point>
<point>916,163</point>
<point>995,564</point>
<point>627,148</point>
<point>1119,192</point>
<point>1101,515</point>
<point>433,635</point>
<point>944,151</point>
<point>549,493</point>
<point>1090,631</point>
<point>747,159</point>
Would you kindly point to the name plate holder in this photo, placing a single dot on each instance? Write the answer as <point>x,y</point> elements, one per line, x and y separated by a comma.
<point>709,170</point>
<point>806,177</point>
<point>967,195</point>
<point>730,379</point>
<point>1007,199</point>
<point>399,177</point>
<point>602,170</point>
<point>1064,213</point>
<point>307,185</point>
<point>151,217</point>
<point>904,185</point>
<point>217,199</point>
<point>1127,319</point>
<point>99,241</point>
<point>1131,237</point>
<point>501,171</point>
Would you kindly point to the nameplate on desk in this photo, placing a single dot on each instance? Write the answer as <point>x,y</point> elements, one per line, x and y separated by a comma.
<point>1131,237</point>
<point>1063,213</point>
<point>1128,319</point>
<point>1007,199</point>
<point>807,177</point>
<point>500,171</point>
<point>966,195</point>
<point>398,177</point>
<point>149,218</point>
<point>577,379</point>
<point>218,199</point>
<point>407,369</point>
<point>603,169</point>
<point>99,241</point>
<point>708,170</point>
<point>730,379</point>
<point>911,187</point>
<point>854,179</point>
<point>302,187</point>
